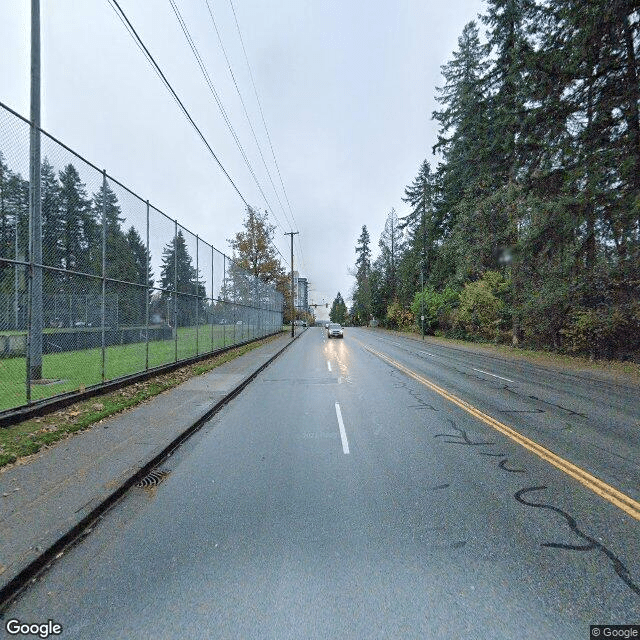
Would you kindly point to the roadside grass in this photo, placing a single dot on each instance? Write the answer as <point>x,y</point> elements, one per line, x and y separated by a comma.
<point>30,436</point>
<point>621,371</point>
<point>74,370</point>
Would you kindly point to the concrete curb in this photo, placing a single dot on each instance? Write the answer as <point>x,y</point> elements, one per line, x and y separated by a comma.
<point>15,585</point>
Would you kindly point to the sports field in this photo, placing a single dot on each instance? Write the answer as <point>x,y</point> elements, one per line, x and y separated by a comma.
<point>73,370</point>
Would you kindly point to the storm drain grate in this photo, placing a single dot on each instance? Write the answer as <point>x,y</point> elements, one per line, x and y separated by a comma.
<point>153,479</point>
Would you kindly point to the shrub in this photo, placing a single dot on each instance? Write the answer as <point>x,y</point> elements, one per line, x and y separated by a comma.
<point>481,313</point>
<point>438,308</point>
<point>605,332</point>
<point>398,317</point>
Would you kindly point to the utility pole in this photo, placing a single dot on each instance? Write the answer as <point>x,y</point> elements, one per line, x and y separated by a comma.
<point>424,251</point>
<point>35,208</point>
<point>293,310</point>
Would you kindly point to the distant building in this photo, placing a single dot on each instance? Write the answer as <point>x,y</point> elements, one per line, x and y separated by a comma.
<point>301,293</point>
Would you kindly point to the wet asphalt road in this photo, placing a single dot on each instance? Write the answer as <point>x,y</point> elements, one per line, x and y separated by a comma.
<point>337,497</point>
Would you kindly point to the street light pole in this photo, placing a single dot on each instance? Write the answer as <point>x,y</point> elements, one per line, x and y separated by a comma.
<point>35,208</point>
<point>293,312</point>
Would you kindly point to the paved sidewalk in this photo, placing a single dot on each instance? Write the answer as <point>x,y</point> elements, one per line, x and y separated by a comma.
<point>43,500</point>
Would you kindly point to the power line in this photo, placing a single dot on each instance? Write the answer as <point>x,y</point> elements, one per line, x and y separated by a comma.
<point>134,34</point>
<point>207,77</point>
<point>212,89</point>
<point>145,53</point>
<point>264,122</point>
<point>246,113</point>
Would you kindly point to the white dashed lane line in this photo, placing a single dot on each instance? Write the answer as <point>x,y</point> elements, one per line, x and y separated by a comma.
<point>492,374</point>
<point>433,355</point>
<point>343,433</point>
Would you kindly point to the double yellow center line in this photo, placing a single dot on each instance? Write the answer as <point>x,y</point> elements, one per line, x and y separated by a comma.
<point>604,490</point>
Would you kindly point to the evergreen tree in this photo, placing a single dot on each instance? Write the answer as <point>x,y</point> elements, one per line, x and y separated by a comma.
<point>52,223</point>
<point>362,290</point>
<point>6,233</point>
<point>581,245</point>
<point>463,136</point>
<point>14,214</point>
<point>391,247</point>
<point>509,23</point>
<point>117,254</point>
<point>177,274</point>
<point>538,181</point>
<point>142,272</point>
<point>379,290</point>
<point>53,281</point>
<point>80,245</point>
<point>384,278</point>
<point>138,270</point>
<point>422,227</point>
<point>338,311</point>
<point>14,245</point>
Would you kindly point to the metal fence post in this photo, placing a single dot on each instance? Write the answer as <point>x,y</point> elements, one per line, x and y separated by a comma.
<point>104,267</point>
<point>28,346</point>
<point>175,287</point>
<point>235,311</point>
<point>256,308</point>
<point>16,284</point>
<point>146,297</point>
<point>197,295</point>
<point>211,301</point>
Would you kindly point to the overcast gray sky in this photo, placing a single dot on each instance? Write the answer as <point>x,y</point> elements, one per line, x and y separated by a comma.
<point>347,89</point>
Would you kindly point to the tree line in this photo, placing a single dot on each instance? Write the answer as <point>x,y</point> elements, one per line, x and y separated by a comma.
<point>525,227</point>
<point>72,240</point>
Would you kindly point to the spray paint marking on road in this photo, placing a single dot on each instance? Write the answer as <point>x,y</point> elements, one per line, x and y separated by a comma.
<point>604,490</point>
<point>492,374</point>
<point>343,433</point>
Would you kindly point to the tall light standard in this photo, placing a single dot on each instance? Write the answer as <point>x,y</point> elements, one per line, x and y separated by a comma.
<point>34,355</point>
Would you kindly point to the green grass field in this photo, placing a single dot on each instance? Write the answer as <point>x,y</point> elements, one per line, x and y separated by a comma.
<point>73,370</point>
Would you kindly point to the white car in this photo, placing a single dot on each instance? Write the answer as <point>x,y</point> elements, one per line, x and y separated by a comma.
<point>334,331</point>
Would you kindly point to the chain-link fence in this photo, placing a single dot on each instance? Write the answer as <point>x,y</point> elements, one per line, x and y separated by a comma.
<point>123,287</point>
